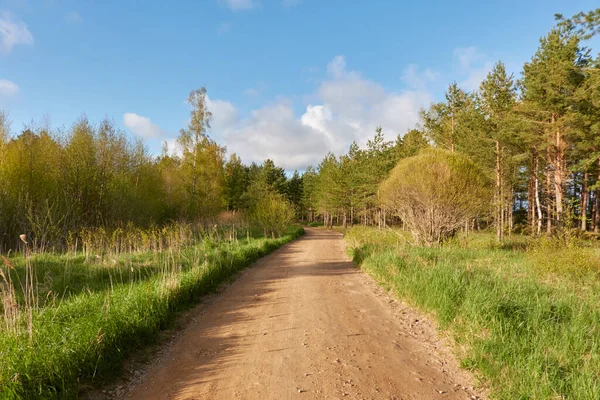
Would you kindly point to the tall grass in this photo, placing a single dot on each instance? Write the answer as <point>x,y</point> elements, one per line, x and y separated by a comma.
<point>530,331</point>
<point>93,313</point>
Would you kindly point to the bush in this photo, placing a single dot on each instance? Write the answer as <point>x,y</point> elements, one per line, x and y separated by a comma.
<point>273,213</point>
<point>435,193</point>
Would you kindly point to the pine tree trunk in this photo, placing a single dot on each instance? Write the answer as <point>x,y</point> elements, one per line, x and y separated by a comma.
<point>452,134</point>
<point>538,204</point>
<point>498,194</point>
<point>584,201</point>
<point>559,174</point>
<point>596,220</point>
<point>345,220</point>
<point>531,200</point>
<point>548,195</point>
<point>510,211</point>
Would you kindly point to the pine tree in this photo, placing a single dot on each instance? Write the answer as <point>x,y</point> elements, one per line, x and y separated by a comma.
<point>549,82</point>
<point>498,99</point>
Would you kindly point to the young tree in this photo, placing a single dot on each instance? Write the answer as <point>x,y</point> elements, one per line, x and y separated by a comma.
<point>202,161</point>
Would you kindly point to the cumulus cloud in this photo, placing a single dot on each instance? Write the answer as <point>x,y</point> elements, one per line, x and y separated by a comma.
<point>240,5</point>
<point>74,18</point>
<point>8,88</point>
<point>224,114</point>
<point>364,104</point>
<point>13,31</point>
<point>346,107</point>
<point>142,126</point>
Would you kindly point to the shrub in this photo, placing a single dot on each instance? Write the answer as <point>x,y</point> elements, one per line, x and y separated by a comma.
<point>435,193</point>
<point>273,213</point>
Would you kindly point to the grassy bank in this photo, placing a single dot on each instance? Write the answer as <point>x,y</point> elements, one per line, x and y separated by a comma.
<point>91,314</point>
<point>525,314</point>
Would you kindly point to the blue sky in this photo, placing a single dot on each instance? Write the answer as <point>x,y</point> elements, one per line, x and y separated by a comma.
<point>287,79</point>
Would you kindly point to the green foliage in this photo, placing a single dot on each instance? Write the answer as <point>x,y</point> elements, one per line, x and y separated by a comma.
<point>272,212</point>
<point>54,184</point>
<point>526,335</point>
<point>445,123</point>
<point>348,185</point>
<point>410,144</point>
<point>435,193</point>
<point>236,183</point>
<point>201,166</point>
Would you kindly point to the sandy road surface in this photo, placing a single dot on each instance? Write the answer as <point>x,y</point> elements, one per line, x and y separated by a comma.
<point>303,323</point>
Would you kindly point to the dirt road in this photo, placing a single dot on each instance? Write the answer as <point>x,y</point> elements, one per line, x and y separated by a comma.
<point>303,323</point>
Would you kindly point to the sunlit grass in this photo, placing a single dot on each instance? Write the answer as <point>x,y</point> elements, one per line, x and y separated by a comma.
<point>526,315</point>
<point>93,313</point>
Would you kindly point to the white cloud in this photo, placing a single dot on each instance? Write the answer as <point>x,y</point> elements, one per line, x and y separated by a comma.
<point>8,88</point>
<point>419,79</point>
<point>13,31</point>
<point>142,126</point>
<point>273,132</point>
<point>476,76</point>
<point>473,67</point>
<point>224,114</point>
<point>224,28</point>
<point>240,5</point>
<point>345,108</point>
<point>74,18</point>
<point>291,3</point>
<point>173,147</point>
<point>467,56</point>
<point>252,92</point>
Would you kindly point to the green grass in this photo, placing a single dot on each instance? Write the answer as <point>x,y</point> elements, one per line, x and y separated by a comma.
<point>96,314</point>
<point>525,315</point>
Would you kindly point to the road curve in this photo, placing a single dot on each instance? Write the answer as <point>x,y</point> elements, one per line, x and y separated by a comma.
<point>303,323</point>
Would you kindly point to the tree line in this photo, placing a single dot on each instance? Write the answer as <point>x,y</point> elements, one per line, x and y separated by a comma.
<point>55,183</point>
<point>538,136</point>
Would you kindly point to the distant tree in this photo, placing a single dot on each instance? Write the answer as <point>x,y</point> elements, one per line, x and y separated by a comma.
<point>549,83</point>
<point>443,122</point>
<point>294,192</point>
<point>274,177</point>
<point>236,183</point>
<point>410,144</point>
<point>309,182</point>
<point>498,97</point>
<point>202,161</point>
